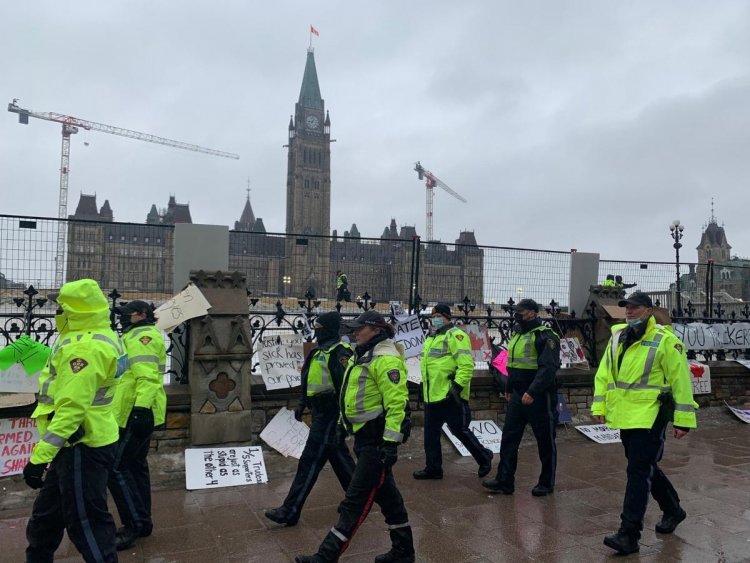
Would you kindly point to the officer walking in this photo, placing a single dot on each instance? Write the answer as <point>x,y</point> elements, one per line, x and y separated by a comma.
<point>531,392</point>
<point>342,287</point>
<point>447,369</point>
<point>373,403</point>
<point>322,376</point>
<point>140,404</point>
<point>643,383</point>
<point>71,461</point>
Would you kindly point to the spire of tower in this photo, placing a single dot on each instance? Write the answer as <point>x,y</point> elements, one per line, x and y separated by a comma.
<point>309,93</point>
<point>713,217</point>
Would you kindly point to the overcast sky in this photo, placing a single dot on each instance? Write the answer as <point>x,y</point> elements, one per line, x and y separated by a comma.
<point>588,124</point>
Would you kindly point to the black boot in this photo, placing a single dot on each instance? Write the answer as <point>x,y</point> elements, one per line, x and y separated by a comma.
<point>281,515</point>
<point>497,486</point>
<point>328,552</point>
<point>623,542</point>
<point>402,550</point>
<point>486,466</point>
<point>424,474</point>
<point>669,522</point>
<point>125,538</point>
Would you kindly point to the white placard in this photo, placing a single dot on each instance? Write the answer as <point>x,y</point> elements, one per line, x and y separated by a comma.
<point>488,433</point>
<point>187,304</point>
<point>281,359</point>
<point>700,376</point>
<point>742,414</point>
<point>410,334</point>
<point>571,352</point>
<point>721,336</point>
<point>285,434</point>
<point>211,468</point>
<point>481,351</point>
<point>414,370</point>
<point>17,439</point>
<point>15,380</point>
<point>397,309</point>
<point>600,433</point>
<point>745,363</point>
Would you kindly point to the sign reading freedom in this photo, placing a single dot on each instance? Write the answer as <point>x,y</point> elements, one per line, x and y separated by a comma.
<point>723,336</point>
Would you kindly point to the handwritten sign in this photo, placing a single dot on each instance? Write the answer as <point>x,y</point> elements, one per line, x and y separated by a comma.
<point>281,359</point>
<point>397,309</point>
<point>700,376</point>
<point>742,414</point>
<point>410,334</point>
<point>187,304</point>
<point>487,432</point>
<point>722,336</point>
<point>212,468</point>
<point>17,439</point>
<point>16,380</point>
<point>600,433</point>
<point>285,434</point>
<point>571,352</point>
<point>481,350</point>
<point>414,370</point>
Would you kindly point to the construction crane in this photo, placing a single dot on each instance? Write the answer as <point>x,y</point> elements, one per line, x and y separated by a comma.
<point>430,182</point>
<point>70,126</point>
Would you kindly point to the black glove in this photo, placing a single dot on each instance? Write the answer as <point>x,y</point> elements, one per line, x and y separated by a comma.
<point>341,433</point>
<point>299,411</point>
<point>141,422</point>
<point>389,454</point>
<point>405,429</point>
<point>455,392</point>
<point>33,474</point>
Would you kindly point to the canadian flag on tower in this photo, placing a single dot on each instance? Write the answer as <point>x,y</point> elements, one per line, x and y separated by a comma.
<point>315,31</point>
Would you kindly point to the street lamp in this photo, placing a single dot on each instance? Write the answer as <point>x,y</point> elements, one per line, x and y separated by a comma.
<point>675,230</point>
<point>287,280</point>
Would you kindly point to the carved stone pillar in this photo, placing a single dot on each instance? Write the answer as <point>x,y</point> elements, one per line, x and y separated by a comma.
<point>220,362</point>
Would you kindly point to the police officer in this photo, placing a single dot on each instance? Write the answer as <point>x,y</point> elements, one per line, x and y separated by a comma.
<point>447,369</point>
<point>140,405</point>
<point>71,461</point>
<point>531,392</point>
<point>322,376</point>
<point>643,383</point>
<point>342,287</point>
<point>373,403</point>
<point>610,281</point>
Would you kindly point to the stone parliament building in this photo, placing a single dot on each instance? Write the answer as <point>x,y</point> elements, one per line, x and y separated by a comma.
<point>138,258</point>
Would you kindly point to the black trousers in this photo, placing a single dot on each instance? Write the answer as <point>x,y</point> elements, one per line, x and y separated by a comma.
<point>74,498</point>
<point>542,416</point>
<point>644,449</point>
<point>322,445</point>
<point>457,417</point>
<point>371,482</point>
<point>130,481</point>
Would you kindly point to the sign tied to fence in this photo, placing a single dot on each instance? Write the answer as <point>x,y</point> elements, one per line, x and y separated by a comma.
<point>187,304</point>
<point>486,431</point>
<point>212,468</point>
<point>281,359</point>
<point>720,336</point>
<point>700,376</point>
<point>17,439</point>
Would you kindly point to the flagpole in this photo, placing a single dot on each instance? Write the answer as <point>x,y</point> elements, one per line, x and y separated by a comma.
<point>310,47</point>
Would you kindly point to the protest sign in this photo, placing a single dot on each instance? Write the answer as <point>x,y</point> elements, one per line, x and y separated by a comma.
<point>500,362</point>
<point>721,336</point>
<point>562,410</point>
<point>281,359</point>
<point>211,468</point>
<point>742,414</point>
<point>600,433</point>
<point>16,380</point>
<point>414,370</point>
<point>486,431</point>
<point>17,439</point>
<point>397,309</point>
<point>481,350</point>
<point>187,304</point>
<point>745,363</point>
<point>26,352</point>
<point>410,334</point>
<point>571,352</point>
<point>700,376</point>
<point>285,434</point>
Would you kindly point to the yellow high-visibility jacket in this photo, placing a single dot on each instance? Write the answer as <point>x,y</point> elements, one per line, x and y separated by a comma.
<point>446,357</point>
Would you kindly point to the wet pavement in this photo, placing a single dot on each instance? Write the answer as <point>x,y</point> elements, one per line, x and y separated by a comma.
<point>456,520</point>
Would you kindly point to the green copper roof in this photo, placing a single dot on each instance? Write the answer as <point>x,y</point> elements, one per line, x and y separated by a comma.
<point>309,94</point>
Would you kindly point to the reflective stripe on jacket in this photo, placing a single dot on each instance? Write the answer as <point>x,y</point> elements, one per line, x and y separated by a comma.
<point>319,375</point>
<point>446,357</point>
<point>142,385</point>
<point>375,385</point>
<point>657,362</point>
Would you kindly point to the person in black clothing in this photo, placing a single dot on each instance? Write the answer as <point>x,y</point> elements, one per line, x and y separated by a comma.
<point>620,285</point>
<point>322,374</point>
<point>531,392</point>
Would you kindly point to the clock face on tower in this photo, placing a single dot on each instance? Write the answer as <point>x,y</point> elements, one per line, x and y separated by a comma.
<point>311,122</point>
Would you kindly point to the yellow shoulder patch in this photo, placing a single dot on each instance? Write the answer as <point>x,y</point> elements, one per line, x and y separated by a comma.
<point>145,340</point>
<point>459,337</point>
<point>77,364</point>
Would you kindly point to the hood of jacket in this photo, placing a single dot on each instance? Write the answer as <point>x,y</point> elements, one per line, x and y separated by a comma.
<point>84,305</point>
<point>389,348</point>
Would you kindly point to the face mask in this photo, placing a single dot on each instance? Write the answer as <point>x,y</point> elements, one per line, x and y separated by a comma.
<point>125,322</point>
<point>438,322</point>
<point>632,323</point>
<point>518,317</point>
<point>61,320</point>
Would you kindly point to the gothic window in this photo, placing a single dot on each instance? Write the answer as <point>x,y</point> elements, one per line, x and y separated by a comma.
<point>726,274</point>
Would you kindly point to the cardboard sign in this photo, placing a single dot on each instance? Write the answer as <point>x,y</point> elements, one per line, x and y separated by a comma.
<point>487,432</point>
<point>16,380</point>
<point>211,468</point>
<point>600,433</point>
<point>281,359</point>
<point>397,309</point>
<point>17,439</point>
<point>721,336</point>
<point>414,370</point>
<point>187,304</point>
<point>571,352</point>
<point>410,334</point>
<point>285,434</point>
<point>742,414</point>
<point>481,350</point>
<point>700,376</point>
